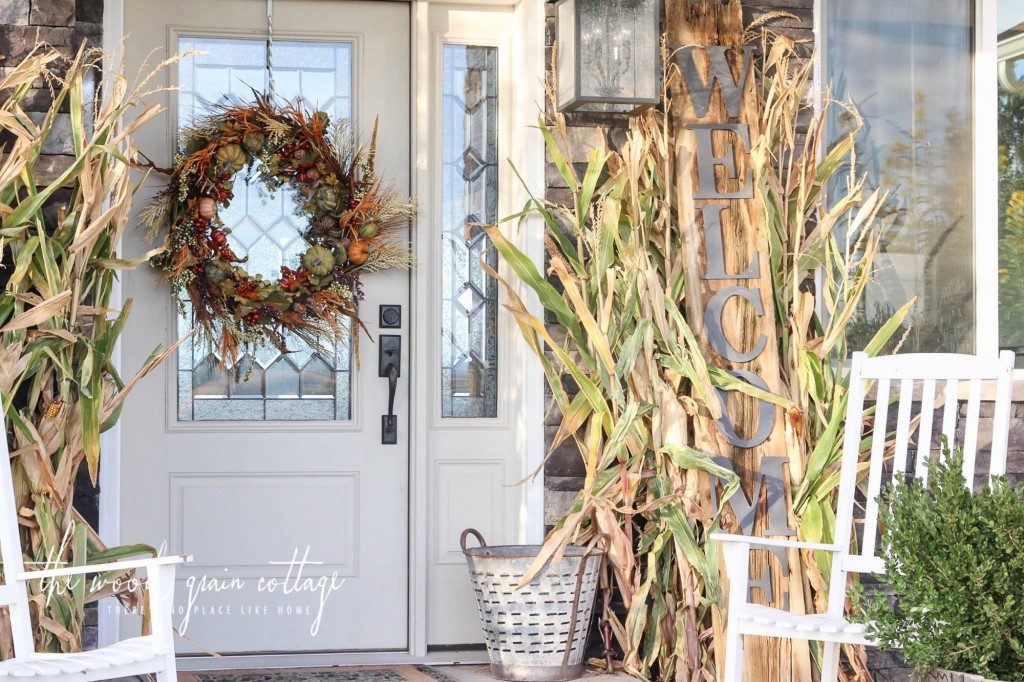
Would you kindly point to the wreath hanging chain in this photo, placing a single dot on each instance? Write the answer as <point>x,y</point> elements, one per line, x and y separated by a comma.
<point>355,225</point>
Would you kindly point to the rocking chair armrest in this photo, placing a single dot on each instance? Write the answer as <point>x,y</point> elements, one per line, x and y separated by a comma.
<point>150,562</point>
<point>772,542</point>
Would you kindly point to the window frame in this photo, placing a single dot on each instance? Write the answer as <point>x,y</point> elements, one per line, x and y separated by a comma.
<point>510,199</point>
<point>986,179</point>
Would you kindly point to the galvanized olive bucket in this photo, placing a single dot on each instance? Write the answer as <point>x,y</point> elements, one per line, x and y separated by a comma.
<point>537,633</point>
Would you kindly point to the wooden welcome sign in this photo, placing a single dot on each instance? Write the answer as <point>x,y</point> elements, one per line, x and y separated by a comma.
<point>715,119</point>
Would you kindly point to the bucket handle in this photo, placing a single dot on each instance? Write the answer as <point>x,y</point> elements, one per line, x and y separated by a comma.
<point>584,560</point>
<point>475,533</point>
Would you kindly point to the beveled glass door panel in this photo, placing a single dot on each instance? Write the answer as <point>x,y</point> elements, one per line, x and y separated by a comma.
<point>306,384</point>
<point>469,200</point>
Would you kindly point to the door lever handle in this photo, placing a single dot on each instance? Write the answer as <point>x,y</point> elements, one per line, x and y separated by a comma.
<point>389,422</point>
<point>392,387</point>
<point>390,366</point>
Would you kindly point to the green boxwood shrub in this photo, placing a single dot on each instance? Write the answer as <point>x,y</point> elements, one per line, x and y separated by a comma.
<point>955,561</point>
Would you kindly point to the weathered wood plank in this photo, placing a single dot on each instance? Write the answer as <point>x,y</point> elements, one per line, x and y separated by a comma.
<point>744,279</point>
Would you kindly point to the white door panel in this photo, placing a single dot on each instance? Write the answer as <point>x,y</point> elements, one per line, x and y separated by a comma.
<point>298,528</point>
<point>476,430</point>
<point>248,496</point>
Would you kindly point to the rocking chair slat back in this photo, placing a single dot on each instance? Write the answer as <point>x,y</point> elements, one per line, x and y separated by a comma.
<point>877,462</point>
<point>903,424</point>
<point>949,415</point>
<point>908,392</point>
<point>927,416</point>
<point>971,430</point>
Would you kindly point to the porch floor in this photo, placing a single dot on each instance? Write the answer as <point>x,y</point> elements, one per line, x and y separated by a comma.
<point>393,673</point>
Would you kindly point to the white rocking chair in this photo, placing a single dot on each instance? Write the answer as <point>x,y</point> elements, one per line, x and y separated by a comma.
<point>915,378</point>
<point>153,653</point>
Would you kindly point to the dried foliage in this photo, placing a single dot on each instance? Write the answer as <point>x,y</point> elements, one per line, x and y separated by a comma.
<point>354,221</point>
<point>617,255</point>
<point>57,331</point>
<point>824,227</point>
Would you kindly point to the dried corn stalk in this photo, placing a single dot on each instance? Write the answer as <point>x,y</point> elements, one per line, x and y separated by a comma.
<point>59,387</point>
<point>617,255</point>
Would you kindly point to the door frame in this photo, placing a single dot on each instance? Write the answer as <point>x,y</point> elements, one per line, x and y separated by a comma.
<point>528,155</point>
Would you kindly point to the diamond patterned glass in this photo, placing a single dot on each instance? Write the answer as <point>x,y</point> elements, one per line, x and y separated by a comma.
<point>469,187</point>
<point>305,384</point>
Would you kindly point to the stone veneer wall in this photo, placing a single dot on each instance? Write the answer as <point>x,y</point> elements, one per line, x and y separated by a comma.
<point>63,24</point>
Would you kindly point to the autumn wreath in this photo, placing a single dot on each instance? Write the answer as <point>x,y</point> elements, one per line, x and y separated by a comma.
<point>354,226</point>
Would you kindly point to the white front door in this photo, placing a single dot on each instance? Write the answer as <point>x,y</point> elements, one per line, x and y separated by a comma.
<point>296,514</point>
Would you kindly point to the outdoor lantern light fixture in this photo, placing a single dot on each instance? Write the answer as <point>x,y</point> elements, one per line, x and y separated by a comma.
<point>607,55</point>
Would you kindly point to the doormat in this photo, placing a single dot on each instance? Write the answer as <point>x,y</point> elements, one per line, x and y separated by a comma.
<point>404,673</point>
<point>435,673</point>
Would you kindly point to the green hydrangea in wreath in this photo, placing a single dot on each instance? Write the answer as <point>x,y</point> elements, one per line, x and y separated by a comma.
<point>355,226</point>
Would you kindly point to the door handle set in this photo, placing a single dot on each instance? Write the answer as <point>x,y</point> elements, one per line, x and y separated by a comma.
<point>390,367</point>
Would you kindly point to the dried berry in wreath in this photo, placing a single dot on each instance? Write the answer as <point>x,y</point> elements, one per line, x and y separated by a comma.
<point>355,226</point>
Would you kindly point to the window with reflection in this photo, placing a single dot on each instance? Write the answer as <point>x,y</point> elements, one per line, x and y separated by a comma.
<point>906,66</point>
<point>1010,26</point>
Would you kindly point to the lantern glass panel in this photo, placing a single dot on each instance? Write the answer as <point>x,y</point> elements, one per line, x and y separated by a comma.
<point>615,46</point>
<point>565,56</point>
